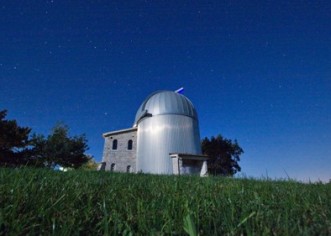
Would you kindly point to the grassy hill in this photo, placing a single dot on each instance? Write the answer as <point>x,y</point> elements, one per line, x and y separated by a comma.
<point>36,201</point>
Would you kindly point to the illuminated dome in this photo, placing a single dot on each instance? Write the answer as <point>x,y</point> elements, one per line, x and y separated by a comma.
<point>167,122</point>
<point>165,102</point>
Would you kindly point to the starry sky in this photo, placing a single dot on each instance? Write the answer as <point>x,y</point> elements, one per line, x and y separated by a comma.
<point>256,71</point>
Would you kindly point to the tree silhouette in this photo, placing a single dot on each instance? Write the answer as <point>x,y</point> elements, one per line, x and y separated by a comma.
<point>14,142</point>
<point>224,155</point>
<point>60,149</point>
<point>17,148</point>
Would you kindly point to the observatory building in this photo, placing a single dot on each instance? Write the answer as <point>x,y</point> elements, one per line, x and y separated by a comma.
<point>164,139</point>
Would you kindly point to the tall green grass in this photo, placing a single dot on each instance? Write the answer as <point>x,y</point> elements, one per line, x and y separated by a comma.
<point>37,201</point>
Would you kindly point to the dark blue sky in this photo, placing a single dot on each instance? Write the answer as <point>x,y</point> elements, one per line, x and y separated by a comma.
<point>256,71</point>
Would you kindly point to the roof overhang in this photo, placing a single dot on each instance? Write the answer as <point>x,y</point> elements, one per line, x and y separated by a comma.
<point>189,156</point>
<point>119,132</point>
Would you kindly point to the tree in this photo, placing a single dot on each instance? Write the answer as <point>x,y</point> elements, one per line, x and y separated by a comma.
<point>60,149</point>
<point>90,165</point>
<point>17,148</point>
<point>224,155</point>
<point>14,141</point>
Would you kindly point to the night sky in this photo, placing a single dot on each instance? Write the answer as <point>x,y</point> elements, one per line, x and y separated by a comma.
<point>256,71</point>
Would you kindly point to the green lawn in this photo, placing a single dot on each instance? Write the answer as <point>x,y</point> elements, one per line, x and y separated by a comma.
<point>36,201</point>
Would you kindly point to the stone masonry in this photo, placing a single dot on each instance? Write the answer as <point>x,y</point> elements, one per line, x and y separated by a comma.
<point>119,157</point>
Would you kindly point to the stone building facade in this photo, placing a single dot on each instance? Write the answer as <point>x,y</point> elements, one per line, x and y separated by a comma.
<point>120,149</point>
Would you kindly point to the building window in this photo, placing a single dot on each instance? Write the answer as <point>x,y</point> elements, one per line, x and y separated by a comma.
<point>112,167</point>
<point>128,169</point>
<point>130,144</point>
<point>114,144</point>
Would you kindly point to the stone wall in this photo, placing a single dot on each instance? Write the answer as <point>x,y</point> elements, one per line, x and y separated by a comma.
<point>122,159</point>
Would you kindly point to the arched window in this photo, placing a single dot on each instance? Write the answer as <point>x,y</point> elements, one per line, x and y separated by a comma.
<point>130,144</point>
<point>112,167</point>
<point>114,144</point>
<point>128,169</point>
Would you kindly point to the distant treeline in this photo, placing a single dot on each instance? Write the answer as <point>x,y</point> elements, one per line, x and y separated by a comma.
<point>19,148</point>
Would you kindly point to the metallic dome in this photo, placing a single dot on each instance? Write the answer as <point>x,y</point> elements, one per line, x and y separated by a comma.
<point>165,102</point>
<point>166,122</point>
